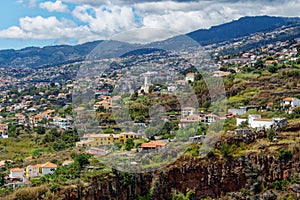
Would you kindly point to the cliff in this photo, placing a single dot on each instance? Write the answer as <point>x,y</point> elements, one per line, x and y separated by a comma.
<point>206,177</point>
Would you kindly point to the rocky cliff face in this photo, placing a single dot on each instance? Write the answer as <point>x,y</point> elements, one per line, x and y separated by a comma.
<point>207,178</point>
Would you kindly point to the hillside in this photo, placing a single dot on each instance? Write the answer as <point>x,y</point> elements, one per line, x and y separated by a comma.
<point>239,28</point>
<point>39,57</point>
<point>45,56</point>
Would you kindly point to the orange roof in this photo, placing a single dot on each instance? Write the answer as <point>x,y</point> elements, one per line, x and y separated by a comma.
<point>270,103</point>
<point>16,170</point>
<point>49,165</point>
<point>153,144</point>
<point>38,117</point>
<point>288,99</point>
<point>49,111</point>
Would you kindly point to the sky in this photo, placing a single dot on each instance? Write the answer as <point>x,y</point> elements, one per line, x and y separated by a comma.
<point>41,23</point>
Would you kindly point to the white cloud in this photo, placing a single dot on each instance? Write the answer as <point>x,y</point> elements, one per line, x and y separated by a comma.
<point>56,6</point>
<point>106,18</point>
<point>186,17</point>
<point>47,28</point>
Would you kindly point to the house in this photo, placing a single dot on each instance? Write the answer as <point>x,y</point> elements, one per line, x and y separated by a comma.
<point>237,111</point>
<point>62,123</point>
<point>181,82</point>
<point>210,118</point>
<point>269,105</point>
<point>21,119</point>
<point>255,121</point>
<point>153,145</point>
<point>16,173</point>
<point>105,104</point>
<point>189,120</point>
<point>188,111</point>
<point>94,140</point>
<point>101,92</point>
<point>171,88</point>
<point>3,131</point>
<point>190,77</point>
<point>48,168</point>
<point>47,114</point>
<point>34,120</point>
<point>107,99</point>
<point>32,170</point>
<point>292,102</point>
<point>197,138</point>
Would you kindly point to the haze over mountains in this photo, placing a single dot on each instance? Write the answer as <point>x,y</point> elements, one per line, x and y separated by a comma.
<point>61,54</point>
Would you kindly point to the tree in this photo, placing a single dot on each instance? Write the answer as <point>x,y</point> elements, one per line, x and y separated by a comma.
<point>271,134</point>
<point>129,144</point>
<point>273,68</point>
<point>81,159</point>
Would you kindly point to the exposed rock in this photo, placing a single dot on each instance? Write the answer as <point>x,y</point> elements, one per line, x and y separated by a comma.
<point>207,178</point>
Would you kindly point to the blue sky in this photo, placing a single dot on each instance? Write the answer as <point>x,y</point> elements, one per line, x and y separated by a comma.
<point>51,22</point>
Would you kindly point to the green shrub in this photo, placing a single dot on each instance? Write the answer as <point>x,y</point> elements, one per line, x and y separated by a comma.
<point>280,185</point>
<point>271,134</point>
<point>285,154</point>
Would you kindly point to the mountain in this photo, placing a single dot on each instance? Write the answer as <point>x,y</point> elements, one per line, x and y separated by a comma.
<point>63,54</point>
<point>242,27</point>
<point>49,55</point>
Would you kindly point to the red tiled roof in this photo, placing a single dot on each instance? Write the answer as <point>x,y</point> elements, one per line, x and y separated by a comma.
<point>288,99</point>
<point>49,165</point>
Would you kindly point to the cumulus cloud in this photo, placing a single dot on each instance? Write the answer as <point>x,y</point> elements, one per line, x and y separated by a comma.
<point>56,6</point>
<point>103,19</point>
<point>107,20</point>
<point>47,28</point>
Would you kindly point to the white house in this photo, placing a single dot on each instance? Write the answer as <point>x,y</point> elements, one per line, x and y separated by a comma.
<point>190,77</point>
<point>16,173</point>
<point>63,123</point>
<point>188,111</point>
<point>210,118</point>
<point>255,121</point>
<point>3,131</point>
<point>261,123</point>
<point>48,168</point>
<point>293,102</point>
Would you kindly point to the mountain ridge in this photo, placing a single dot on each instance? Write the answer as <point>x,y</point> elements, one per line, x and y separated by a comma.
<point>62,54</point>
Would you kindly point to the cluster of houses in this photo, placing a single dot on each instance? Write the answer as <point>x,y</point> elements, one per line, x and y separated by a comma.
<point>32,171</point>
<point>21,176</point>
<point>189,115</point>
<point>47,119</point>
<point>92,141</point>
<point>281,51</point>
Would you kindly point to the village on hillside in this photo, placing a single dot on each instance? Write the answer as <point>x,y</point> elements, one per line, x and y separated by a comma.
<point>45,108</point>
